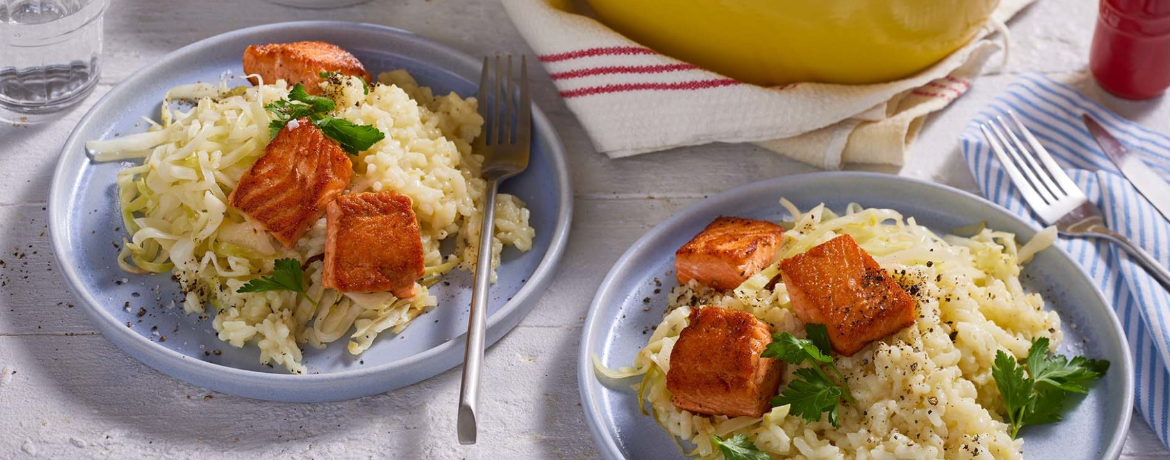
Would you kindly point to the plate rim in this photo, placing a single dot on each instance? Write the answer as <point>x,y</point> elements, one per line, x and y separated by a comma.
<point>589,400</point>
<point>509,314</point>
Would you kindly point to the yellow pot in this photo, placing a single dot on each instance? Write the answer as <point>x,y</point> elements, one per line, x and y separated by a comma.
<point>772,42</point>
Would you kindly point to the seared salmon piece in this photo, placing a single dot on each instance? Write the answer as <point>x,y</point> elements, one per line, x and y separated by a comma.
<point>839,285</point>
<point>300,62</point>
<point>372,244</point>
<point>286,190</point>
<point>727,252</point>
<point>716,367</point>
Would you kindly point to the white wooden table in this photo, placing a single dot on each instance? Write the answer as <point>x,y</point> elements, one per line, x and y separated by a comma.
<point>66,392</point>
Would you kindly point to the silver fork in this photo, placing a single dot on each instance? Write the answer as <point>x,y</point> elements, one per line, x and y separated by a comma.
<point>504,144</point>
<point>1052,194</point>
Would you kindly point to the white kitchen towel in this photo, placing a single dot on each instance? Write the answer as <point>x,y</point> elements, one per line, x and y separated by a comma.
<point>1052,111</point>
<point>633,100</point>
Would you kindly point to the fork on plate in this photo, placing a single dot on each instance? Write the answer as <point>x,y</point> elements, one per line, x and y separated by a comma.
<point>1052,194</point>
<point>504,144</point>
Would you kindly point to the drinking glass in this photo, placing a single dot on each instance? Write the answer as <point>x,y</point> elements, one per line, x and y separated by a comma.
<point>50,56</point>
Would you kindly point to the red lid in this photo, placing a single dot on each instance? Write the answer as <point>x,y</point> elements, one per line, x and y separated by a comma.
<point>1138,17</point>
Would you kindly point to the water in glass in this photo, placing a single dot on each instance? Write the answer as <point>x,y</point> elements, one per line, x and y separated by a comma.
<point>50,55</point>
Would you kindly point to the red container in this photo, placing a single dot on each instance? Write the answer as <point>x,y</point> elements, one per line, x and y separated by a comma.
<point>1131,48</point>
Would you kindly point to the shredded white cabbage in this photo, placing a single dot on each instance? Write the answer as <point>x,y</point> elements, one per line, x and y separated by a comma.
<point>1038,243</point>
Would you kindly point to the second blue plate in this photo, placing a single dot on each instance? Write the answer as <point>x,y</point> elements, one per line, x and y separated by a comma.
<point>614,330</point>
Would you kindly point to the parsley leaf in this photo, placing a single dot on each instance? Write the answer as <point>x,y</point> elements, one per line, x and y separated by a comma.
<point>317,103</point>
<point>795,351</point>
<point>286,276</point>
<point>1060,372</point>
<point>354,138</point>
<point>1015,389</point>
<point>275,126</point>
<point>819,335</point>
<point>285,111</point>
<point>739,448</point>
<point>810,394</point>
<point>1039,397</point>
<point>812,391</point>
<point>1044,408</point>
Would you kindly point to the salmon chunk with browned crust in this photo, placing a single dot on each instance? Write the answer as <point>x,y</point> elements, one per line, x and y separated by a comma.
<point>286,190</point>
<point>727,252</point>
<point>372,244</point>
<point>716,367</point>
<point>839,285</point>
<point>301,62</point>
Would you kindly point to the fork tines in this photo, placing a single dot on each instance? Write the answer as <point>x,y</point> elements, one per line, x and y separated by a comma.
<point>1049,191</point>
<point>504,102</point>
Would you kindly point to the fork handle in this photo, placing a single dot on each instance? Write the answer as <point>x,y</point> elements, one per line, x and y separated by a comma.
<point>1145,259</point>
<point>477,324</point>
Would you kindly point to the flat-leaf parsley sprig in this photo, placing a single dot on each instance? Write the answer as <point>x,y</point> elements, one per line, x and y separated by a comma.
<point>287,275</point>
<point>300,104</point>
<point>812,390</point>
<point>738,447</point>
<point>1039,397</point>
<point>352,137</point>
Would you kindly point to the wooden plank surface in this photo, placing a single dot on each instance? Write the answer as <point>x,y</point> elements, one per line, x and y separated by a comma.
<point>66,392</point>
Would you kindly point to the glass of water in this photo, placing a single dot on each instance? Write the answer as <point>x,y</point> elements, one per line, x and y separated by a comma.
<point>50,56</point>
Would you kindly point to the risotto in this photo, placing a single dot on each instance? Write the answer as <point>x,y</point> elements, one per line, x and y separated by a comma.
<point>924,392</point>
<point>174,206</point>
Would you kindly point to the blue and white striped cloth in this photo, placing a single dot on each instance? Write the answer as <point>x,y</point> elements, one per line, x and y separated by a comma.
<point>1052,112</point>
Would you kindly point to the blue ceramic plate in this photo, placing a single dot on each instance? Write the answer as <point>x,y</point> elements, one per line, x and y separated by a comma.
<point>84,220</point>
<point>1093,429</point>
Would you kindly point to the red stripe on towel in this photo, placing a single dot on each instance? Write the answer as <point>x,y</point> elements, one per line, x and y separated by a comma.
<point>965,83</point>
<point>590,52</point>
<point>919,92</point>
<point>945,88</point>
<point>622,69</point>
<point>623,87</point>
